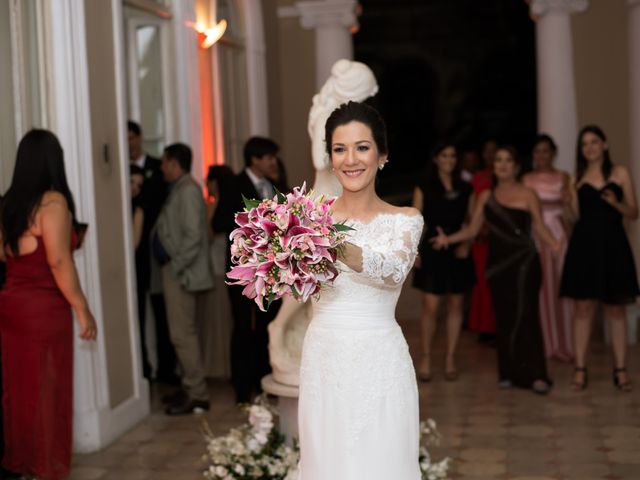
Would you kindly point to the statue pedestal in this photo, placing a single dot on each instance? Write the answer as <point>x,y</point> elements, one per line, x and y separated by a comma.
<point>287,406</point>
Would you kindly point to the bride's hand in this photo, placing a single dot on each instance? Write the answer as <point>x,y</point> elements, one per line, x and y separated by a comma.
<point>440,241</point>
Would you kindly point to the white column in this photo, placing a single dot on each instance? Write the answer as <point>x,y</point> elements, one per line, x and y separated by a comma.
<point>256,68</point>
<point>634,100</point>
<point>95,422</point>
<point>634,128</point>
<point>332,21</point>
<point>557,114</point>
<point>187,78</point>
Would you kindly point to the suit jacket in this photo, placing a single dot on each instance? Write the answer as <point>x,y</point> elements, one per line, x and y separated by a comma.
<point>152,197</point>
<point>224,217</point>
<point>182,230</point>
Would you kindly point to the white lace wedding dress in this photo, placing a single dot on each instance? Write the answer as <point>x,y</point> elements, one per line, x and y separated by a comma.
<point>358,409</point>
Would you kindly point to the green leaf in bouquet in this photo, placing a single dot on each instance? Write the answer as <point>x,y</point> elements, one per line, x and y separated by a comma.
<point>270,300</point>
<point>250,203</point>
<point>282,198</point>
<point>342,227</point>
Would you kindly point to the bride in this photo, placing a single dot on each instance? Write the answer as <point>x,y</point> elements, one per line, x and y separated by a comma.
<point>358,410</point>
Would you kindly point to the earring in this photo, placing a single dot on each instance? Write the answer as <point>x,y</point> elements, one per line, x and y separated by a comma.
<point>381,166</point>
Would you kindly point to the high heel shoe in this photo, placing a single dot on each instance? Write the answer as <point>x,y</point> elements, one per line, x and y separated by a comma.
<point>424,371</point>
<point>541,387</point>
<point>579,386</point>
<point>622,386</point>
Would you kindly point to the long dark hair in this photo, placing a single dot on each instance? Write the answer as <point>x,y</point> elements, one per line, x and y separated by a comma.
<point>39,168</point>
<point>432,176</point>
<point>225,178</point>
<point>581,161</point>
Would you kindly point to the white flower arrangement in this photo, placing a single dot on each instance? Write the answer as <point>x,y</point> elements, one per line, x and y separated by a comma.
<point>257,451</point>
<point>429,436</point>
<point>253,451</point>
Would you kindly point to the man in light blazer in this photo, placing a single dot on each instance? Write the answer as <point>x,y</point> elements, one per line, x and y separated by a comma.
<point>180,245</point>
<point>154,194</point>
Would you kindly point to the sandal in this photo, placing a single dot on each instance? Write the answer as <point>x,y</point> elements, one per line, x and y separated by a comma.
<point>622,386</point>
<point>579,386</point>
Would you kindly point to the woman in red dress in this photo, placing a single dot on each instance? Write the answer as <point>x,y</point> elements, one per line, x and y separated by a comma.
<point>482,318</point>
<point>36,329</point>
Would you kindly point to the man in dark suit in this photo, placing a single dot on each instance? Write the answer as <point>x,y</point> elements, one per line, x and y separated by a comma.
<point>154,194</point>
<point>250,339</point>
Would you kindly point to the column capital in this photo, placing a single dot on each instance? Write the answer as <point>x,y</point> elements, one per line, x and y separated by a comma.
<point>540,8</point>
<point>316,13</point>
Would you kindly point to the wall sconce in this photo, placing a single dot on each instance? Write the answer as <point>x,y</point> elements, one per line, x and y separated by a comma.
<point>209,36</point>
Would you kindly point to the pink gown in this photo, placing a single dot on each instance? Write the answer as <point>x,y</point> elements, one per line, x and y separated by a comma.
<point>555,312</point>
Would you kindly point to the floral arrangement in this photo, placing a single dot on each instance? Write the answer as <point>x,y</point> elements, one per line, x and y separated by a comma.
<point>254,451</point>
<point>257,451</point>
<point>287,245</point>
<point>429,436</point>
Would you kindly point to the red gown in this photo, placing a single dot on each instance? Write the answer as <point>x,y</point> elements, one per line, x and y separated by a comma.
<point>481,315</point>
<point>36,331</point>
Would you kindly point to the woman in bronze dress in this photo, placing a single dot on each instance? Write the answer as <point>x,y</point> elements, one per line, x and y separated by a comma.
<point>512,211</point>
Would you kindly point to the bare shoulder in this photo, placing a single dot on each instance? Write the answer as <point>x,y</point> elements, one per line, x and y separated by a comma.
<point>484,196</point>
<point>410,211</point>
<point>620,173</point>
<point>53,200</point>
<point>53,208</point>
<point>406,211</point>
<point>527,191</point>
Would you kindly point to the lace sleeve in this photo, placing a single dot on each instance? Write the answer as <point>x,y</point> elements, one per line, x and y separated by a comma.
<point>389,263</point>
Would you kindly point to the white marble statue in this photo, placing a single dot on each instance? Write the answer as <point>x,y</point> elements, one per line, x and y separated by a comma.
<point>349,81</point>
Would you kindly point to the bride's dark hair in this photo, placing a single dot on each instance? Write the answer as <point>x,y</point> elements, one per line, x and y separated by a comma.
<point>357,112</point>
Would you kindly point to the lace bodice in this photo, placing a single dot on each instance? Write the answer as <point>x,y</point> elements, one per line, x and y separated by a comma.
<point>389,245</point>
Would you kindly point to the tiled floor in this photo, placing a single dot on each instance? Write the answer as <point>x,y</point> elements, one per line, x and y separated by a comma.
<point>490,433</point>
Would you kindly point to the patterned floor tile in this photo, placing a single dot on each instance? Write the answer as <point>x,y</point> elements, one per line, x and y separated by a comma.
<point>491,434</point>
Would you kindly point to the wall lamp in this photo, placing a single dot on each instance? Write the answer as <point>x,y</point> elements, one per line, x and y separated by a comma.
<point>208,36</point>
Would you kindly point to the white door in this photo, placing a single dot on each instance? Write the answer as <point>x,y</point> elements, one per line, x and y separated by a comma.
<point>22,88</point>
<point>148,77</point>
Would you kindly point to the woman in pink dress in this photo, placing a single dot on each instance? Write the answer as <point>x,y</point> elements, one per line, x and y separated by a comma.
<point>551,186</point>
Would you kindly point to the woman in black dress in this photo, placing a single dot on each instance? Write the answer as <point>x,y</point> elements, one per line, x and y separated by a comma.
<point>443,198</point>
<point>599,266</point>
<point>511,211</point>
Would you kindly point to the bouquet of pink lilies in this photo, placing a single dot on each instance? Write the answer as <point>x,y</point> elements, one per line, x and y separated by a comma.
<point>287,245</point>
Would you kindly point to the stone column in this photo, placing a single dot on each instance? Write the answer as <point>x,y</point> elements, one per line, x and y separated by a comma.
<point>634,128</point>
<point>634,103</point>
<point>109,395</point>
<point>332,21</point>
<point>557,114</point>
